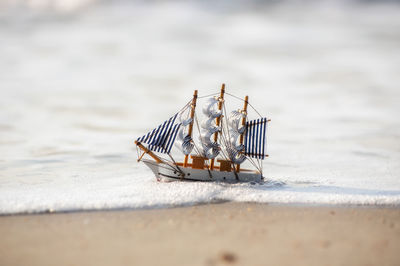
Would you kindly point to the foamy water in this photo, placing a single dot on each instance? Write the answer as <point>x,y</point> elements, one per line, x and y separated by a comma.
<point>79,84</point>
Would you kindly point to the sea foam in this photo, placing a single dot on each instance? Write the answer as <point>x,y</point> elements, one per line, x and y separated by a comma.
<point>77,88</point>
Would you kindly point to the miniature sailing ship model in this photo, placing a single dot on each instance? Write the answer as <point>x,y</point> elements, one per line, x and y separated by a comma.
<point>228,139</point>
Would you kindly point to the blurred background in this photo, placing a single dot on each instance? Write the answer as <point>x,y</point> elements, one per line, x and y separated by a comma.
<point>81,79</point>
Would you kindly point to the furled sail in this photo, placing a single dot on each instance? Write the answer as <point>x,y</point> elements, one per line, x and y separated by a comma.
<point>184,141</point>
<point>185,122</point>
<point>234,138</point>
<point>209,125</point>
<point>234,149</point>
<point>254,139</point>
<point>210,108</point>
<point>235,121</point>
<point>209,148</point>
<point>162,138</point>
<point>235,156</point>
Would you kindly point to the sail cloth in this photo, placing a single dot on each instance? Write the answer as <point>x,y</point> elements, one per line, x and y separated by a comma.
<point>209,148</point>
<point>210,108</point>
<point>184,141</point>
<point>254,139</point>
<point>162,137</point>
<point>235,121</point>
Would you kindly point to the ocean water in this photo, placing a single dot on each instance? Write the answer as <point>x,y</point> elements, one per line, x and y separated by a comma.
<point>80,80</point>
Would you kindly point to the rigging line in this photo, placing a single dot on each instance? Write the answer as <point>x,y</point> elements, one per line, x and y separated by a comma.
<point>247,103</point>
<point>155,131</point>
<point>227,130</point>
<point>252,162</point>
<point>222,135</point>
<point>180,112</point>
<point>255,109</point>
<point>198,150</point>
<point>187,109</point>
<point>226,122</point>
<point>228,141</point>
<point>187,105</point>
<point>137,152</point>
<point>176,165</point>
<point>198,128</point>
<point>224,154</point>
<point>160,166</point>
<point>234,96</point>
<point>171,162</point>
<point>213,94</point>
<point>224,142</point>
<point>168,162</point>
<point>256,166</point>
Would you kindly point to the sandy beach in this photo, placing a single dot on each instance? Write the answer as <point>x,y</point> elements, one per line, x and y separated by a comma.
<point>82,80</point>
<point>214,234</point>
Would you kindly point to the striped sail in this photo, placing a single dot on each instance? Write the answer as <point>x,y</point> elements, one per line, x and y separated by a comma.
<point>254,139</point>
<point>162,138</point>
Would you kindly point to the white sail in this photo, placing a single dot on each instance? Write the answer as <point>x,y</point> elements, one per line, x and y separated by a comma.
<point>235,156</point>
<point>205,137</point>
<point>210,150</point>
<point>234,149</point>
<point>210,109</point>
<point>235,121</point>
<point>186,122</point>
<point>184,141</point>
<point>209,125</point>
<point>234,140</point>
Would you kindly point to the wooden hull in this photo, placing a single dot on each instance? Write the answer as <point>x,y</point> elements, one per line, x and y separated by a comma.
<point>167,172</point>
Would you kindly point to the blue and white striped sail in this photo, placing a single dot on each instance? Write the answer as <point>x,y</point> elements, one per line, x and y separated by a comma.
<point>163,137</point>
<point>254,139</point>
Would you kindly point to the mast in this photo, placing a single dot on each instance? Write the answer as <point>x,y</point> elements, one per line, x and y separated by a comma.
<point>185,162</point>
<point>246,102</point>
<point>149,152</point>
<point>218,119</point>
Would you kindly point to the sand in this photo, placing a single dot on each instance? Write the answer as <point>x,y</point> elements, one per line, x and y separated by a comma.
<point>215,234</point>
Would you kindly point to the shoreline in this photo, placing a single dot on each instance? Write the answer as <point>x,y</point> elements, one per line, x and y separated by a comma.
<point>168,207</point>
<point>208,234</point>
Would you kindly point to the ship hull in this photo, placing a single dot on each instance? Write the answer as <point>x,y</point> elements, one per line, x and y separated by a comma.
<point>168,172</point>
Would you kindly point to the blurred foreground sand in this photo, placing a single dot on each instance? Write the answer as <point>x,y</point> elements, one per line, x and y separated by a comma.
<point>218,234</point>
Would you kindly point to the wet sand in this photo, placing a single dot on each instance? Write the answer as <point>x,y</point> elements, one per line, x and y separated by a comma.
<point>216,234</point>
